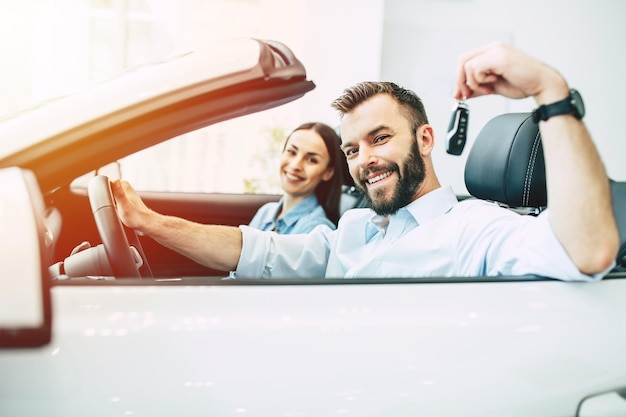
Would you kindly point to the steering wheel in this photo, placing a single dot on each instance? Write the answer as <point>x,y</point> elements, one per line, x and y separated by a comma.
<point>121,256</point>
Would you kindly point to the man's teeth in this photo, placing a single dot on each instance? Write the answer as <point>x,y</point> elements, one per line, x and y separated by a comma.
<point>378,177</point>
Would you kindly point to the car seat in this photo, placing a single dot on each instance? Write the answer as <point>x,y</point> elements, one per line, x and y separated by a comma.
<point>351,197</point>
<point>506,165</point>
<point>618,191</point>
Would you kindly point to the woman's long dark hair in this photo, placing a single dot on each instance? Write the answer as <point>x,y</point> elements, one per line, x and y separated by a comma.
<point>328,193</point>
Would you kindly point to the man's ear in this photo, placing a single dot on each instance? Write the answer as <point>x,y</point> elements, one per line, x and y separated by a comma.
<point>425,139</point>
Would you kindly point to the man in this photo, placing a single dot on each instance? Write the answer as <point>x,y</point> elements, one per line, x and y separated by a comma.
<point>416,227</point>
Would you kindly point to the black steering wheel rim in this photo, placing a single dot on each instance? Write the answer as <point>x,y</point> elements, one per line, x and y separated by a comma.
<point>111,229</point>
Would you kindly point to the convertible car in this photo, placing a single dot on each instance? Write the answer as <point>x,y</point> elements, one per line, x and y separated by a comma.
<point>97,320</point>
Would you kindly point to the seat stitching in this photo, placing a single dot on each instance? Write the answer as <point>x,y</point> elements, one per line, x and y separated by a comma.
<point>529,169</point>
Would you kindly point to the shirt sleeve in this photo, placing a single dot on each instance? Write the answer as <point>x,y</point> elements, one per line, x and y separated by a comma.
<point>529,246</point>
<point>271,255</point>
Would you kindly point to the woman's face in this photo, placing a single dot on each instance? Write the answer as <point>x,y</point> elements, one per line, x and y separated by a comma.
<point>304,163</point>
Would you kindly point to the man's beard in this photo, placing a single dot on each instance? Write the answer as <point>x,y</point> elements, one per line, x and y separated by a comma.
<point>408,182</point>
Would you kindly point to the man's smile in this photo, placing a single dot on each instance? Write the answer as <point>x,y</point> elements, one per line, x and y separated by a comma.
<point>378,177</point>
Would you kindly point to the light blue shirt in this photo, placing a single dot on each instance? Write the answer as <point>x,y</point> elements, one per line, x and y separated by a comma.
<point>434,236</point>
<point>302,218</point>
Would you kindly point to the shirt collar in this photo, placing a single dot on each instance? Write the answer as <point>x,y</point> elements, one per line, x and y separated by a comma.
<point>429,206</point>
<point>304,207</point>
<point>434,204</point>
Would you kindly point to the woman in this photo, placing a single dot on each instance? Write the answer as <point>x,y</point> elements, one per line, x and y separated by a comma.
<point>311,176</point>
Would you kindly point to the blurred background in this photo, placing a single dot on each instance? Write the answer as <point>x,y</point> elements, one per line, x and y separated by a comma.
<point>55,47</point>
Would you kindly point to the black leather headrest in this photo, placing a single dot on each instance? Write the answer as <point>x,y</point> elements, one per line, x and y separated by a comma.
<point>506,164</point>
<point>618,192</point>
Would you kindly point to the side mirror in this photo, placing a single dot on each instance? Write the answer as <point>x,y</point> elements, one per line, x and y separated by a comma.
<point>604,404</point>
<point>25,309</point>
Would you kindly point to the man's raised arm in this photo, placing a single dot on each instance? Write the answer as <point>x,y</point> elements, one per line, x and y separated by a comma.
<point>579,196</point>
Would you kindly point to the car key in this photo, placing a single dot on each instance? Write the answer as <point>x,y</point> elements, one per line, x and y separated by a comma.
<point>457,129</point>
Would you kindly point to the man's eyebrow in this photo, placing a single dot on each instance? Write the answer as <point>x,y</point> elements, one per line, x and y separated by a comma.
<point>369,134</point>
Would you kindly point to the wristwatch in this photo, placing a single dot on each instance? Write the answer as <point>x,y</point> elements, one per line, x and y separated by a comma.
<point>572,104</point>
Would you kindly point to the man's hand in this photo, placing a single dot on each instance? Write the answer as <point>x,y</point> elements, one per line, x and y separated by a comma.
<point>130,207</point>
<point>499,68</point>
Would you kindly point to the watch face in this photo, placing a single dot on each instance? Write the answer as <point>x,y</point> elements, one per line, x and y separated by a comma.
<point>577,103</point>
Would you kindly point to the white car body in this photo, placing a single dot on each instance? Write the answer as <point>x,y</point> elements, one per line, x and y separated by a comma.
<point>438,349</point>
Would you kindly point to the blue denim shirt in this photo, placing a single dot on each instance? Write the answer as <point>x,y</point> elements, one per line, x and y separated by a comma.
<point>301,219</point>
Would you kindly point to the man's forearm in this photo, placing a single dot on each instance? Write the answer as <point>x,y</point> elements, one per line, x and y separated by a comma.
<point>217,247</point>
<point>579,195</point>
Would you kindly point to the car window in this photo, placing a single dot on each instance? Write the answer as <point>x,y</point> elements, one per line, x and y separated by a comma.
<point>234,156</point>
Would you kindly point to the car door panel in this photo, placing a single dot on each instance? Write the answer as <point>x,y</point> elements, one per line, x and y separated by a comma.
<point>213,208</point>
<point>378,348</point>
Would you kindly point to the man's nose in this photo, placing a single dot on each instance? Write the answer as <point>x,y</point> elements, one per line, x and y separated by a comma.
<point>366,157</point>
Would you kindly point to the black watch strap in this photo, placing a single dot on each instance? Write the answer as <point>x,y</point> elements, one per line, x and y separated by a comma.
<point>572,104</point>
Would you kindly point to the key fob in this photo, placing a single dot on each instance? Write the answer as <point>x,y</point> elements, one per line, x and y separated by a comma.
<point>457,129</point>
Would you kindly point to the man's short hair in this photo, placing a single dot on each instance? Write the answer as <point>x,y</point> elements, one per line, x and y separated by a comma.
<point>358,93</point>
